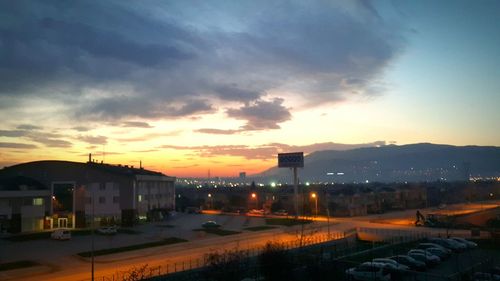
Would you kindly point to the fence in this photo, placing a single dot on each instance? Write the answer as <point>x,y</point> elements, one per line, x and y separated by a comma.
<point>310,236</point>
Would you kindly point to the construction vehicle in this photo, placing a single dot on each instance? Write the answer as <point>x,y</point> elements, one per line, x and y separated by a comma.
<point>433,220</point>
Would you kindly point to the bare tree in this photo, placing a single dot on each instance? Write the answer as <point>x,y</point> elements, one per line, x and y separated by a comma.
<point>136,273</point>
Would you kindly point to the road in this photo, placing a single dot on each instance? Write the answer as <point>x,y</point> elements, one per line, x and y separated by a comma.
<point>67,266</point>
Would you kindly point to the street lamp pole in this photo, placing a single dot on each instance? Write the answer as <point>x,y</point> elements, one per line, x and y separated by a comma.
<point>92,234</point>
<point>254,196</point>
<point>315,197</point>
<point>211,201</point>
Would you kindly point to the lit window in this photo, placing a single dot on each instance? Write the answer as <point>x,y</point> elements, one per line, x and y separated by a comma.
<point>37,201</point>
<point>139,198</point>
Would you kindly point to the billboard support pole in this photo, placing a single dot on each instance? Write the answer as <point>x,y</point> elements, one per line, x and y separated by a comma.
<point>296,192</point>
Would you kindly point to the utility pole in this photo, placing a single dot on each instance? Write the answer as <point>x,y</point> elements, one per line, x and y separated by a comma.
<point>296,192</point>
<point>92,234</point>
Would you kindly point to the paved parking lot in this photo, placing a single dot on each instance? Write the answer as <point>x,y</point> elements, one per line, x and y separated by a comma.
<point>181,225</point>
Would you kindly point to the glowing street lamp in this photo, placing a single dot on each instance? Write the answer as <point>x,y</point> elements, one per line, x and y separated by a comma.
<point>315,197</point>
<point>254,197</point>
<point>211,200</point>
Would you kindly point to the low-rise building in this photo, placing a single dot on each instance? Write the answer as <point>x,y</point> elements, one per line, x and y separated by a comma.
<point>70,193</point>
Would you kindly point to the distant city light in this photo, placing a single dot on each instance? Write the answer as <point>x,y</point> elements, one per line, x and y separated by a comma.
<point>273,184</point>
<point>254,195</point>
<point>340,174</point>
<point>307,183</point>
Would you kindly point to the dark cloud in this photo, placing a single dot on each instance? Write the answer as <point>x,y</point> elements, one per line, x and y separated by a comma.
<point>182,59</point>
<point>17,145</point>
<point>46,138</point>
<point>266,151</point>
<point>136,124</point>
<point>50,142</point>
<point>116,108</point>
<point>96,140</point>
<point>81,129</point>
<point>218,131</point>
<point>13,133</point>
<point>233,92</point>
<point>28,127</point>
<point>262,115</point>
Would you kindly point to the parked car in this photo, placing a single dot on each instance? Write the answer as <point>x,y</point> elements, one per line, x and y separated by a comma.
<point>449,244</point>
<point>369,271</point>
<point>468,243</point>
<point>392,264</point>
<point>61,234</point>
<point>440,252</point>
<point>427,258</point>
<point>433,245</point>
<point>107,230</point>
<point>430,259</point>
<point>281,213</point>
<point>410,262</point>
<point>210,224</point>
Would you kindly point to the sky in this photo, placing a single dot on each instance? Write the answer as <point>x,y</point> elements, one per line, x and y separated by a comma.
<point>188,87</point>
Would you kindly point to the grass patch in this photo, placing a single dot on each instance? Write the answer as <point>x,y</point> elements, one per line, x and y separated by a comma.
<point>17,264</point>
<point>259,228</point>
<point>28,236</point>
<point>165,225</point>
<point>286,222</point>
<point>167,241</point>
<point>217,231</point>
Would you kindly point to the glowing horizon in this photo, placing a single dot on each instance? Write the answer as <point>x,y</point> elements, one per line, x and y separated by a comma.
<point>186,88</point>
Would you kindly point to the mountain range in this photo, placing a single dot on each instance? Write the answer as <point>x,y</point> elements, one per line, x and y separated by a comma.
<point>394,163</point>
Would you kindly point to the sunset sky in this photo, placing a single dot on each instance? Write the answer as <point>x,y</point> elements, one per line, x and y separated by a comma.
<point>188,86</point>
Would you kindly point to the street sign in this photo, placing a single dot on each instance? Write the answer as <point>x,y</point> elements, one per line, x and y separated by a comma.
<point>291,160</point>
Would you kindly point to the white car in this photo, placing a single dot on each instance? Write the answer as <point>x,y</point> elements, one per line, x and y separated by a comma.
<point>424,256</point>
<point>107,230</point>
<point>468,243</point>
<point>433,245</point>
<point>61,234</point>
<point>392,264</point>
<point>369,271</point>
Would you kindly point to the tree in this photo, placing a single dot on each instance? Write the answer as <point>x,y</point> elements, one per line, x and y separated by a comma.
<point>226,266</point>
<point>137,273</point>
<point>275,263</point>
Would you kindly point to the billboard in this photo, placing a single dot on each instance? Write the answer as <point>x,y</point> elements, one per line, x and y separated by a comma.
<point>291,160</point>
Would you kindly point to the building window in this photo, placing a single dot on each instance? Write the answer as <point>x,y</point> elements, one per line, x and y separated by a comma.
<point>116,199</point>
<point>37,201</point>
<point>102,186</point>
<point>102,200</point>
<point>139,198</point>
<point>116,186</point>
<point>88,200</point>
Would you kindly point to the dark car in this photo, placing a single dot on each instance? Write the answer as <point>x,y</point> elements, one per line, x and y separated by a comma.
<point>410,262</point>
<point>210,224</point>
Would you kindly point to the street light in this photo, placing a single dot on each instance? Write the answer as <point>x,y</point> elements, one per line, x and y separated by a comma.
<point>211,200</point>
<point>254,196</point>
<point>315,197</point>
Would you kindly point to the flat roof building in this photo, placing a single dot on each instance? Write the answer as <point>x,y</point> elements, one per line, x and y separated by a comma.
<point>69,193</point>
